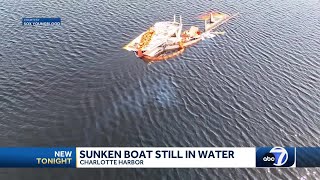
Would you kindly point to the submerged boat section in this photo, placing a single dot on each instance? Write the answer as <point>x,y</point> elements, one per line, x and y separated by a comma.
<point>163,37</point>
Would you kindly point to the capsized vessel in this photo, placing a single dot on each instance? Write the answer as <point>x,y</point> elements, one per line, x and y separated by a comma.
<point>163,37</point>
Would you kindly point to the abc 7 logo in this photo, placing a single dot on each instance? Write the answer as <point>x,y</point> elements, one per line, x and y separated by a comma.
<point>280,160</point>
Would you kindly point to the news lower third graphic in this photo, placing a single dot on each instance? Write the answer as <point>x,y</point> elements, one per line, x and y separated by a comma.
<point>159,157</point>
<point>41,21</point>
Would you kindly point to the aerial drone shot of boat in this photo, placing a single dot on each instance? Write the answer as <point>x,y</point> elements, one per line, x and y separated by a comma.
<point>166,39</point>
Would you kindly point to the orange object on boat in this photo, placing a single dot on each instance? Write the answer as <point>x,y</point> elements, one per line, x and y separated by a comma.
<point>146,38</point>
<point>206,16</point>
<point>140,54</point>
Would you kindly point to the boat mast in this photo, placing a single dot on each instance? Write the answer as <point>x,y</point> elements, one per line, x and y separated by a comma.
<point>180,28</point>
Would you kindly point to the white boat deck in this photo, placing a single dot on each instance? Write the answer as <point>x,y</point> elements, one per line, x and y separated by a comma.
<point>163,31</point>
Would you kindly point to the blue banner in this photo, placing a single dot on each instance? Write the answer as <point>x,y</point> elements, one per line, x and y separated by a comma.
<point>38,157</point>
<point>308,156</point>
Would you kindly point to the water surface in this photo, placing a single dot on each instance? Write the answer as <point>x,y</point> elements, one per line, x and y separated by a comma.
<point>74,85</point>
